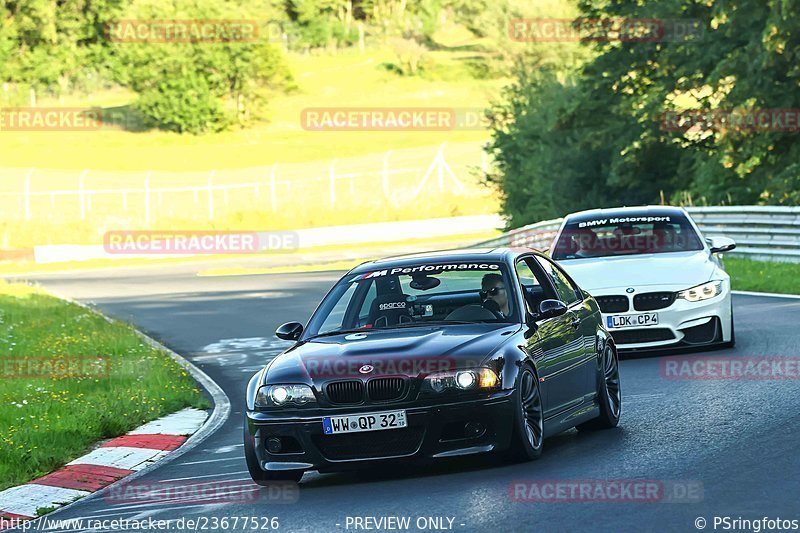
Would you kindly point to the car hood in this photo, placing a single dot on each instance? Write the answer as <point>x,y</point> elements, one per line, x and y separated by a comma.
<point>678,270</point>
<point>411,352</point>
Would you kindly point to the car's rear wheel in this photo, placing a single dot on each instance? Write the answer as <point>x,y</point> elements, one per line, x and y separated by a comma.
<point>528,436</point>
<point>609,394</point>
<point>265,477</point>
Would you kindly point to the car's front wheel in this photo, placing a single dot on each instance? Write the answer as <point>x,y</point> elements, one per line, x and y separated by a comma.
<point>260,476</point>
<point>609,394</point>
<point>528,436</point>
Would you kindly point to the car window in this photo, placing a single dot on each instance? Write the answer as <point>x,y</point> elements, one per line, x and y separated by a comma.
<point>532,287</point>
<point>635,234</point>
<point>363,314</point>
<point>567,292</point>
<point>336,316</point>
<point>419,294</point>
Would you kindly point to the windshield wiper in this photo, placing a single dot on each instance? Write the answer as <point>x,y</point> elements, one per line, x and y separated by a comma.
<point>337,332</point>
<point>435,323</point>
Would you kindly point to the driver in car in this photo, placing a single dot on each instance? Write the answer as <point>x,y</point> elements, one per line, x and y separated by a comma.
<point>493,288</point>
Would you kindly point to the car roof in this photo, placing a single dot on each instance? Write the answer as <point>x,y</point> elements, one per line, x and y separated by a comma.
<point>643,210</point>
<point>495,255</point>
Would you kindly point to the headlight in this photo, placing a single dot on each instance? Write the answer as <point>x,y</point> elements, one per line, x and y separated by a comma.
<point>481,378</point>
<point>702,292</point>
<point>279,395</point>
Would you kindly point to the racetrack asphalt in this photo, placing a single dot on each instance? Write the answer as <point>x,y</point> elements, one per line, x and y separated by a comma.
<point>735,439</point>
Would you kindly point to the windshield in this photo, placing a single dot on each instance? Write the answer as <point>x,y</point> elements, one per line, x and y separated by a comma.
<point>629,235</point>
<point>417,295</point>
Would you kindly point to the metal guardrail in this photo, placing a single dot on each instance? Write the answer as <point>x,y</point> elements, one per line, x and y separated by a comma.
<point>761,232</point>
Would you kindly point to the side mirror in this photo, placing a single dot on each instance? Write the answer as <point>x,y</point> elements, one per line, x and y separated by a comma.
<point>551,308</point>
<point>721,245</point>
<point>290,331</point>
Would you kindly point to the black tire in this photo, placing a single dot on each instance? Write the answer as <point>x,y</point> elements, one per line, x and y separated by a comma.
<point>609,394</point>
<point>527,438</point>
<point>261,477</point>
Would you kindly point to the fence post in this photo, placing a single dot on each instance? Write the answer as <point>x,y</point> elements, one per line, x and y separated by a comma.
<point>27,194</point>
<point>82,192</point>
<point>385,175</point>
<point>147,217</point>
<point>211,194</point>
<point>332,185</point>
<point>273,194</point>
<point>440,167</point>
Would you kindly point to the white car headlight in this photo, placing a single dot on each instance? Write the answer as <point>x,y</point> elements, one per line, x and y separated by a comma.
<point>280,395</point>
<point>702,292</point>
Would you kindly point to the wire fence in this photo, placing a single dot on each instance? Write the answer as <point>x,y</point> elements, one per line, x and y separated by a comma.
<point>396,184</point>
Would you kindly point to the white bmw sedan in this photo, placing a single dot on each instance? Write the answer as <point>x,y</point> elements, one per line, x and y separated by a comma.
<point>658,282</point>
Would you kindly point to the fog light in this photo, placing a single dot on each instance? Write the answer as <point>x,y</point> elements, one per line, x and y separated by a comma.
<point>473,429</point>
<point>274,445</point>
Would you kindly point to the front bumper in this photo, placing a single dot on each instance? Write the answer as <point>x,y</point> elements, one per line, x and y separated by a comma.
<point>433,431</point>
<point>681,324</point>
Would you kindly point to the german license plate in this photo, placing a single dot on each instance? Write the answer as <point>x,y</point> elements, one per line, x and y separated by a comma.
<point>333,425</point>
<point>631,321</point>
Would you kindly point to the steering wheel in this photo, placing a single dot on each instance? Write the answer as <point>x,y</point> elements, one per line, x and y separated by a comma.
<point>492,307</point>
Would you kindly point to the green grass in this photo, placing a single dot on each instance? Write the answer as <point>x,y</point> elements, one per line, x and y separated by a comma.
<point>348,79</point>
<point>48,420</point>
<point>117,158</point>
<point>763,276</point>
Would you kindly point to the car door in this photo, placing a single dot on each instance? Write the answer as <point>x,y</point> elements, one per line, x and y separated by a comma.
<point>562,378</point>
<point>581,318</point>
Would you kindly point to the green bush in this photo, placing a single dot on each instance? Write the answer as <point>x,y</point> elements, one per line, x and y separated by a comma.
<point>182,103</point>
<point>197,87</point>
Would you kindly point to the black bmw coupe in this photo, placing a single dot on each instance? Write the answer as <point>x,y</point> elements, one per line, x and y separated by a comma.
<point>433,355</point>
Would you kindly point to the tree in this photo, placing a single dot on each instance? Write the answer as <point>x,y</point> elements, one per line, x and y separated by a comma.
<point>56,46</point>
<point>596,135</point>
<point>228,81</point>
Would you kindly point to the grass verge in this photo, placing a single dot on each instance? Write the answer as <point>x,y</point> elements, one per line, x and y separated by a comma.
<point>763,276</point>
<point>70,378</point>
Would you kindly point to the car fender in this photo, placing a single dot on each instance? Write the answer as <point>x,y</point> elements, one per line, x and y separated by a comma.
<point>511,358</point>
<point>252,388</point>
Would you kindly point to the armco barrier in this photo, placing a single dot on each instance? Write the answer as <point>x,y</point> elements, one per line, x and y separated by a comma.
<point>761,232</point>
